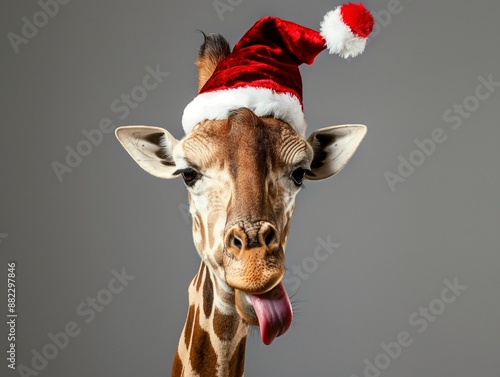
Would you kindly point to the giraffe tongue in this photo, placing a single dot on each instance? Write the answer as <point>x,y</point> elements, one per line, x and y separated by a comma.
<point>274,312</point>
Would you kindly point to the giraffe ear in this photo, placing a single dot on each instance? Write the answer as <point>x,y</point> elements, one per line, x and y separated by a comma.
<point>150,147</point>
<point>333,147</point>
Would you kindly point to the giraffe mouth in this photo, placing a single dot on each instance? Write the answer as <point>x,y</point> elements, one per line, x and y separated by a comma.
<point>273,311</point>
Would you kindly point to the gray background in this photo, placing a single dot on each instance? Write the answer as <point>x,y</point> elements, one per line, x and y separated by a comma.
<point>396,248</point>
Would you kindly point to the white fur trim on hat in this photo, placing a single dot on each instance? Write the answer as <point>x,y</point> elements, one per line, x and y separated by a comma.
<point>262,101</point>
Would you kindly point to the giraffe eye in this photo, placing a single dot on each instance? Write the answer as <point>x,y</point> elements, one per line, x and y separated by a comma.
<point>298,176</point>
<point>190,176</point>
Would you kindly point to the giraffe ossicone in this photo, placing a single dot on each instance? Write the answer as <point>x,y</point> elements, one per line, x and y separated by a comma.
<point>243,160</point>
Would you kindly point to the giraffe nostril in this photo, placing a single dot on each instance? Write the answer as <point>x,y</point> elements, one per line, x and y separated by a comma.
<point>270,237</point>
<point>235,241</point>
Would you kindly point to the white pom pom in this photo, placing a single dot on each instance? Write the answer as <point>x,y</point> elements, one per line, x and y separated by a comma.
<point>338,36</point>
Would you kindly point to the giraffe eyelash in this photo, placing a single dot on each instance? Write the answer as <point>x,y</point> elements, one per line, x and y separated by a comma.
<point>180,171</point>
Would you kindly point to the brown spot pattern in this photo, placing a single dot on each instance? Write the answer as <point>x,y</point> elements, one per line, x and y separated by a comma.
<point>177,366</point>
<point>188,328</point>
<point>202,354</point>
<point>225,326</point>
<point>237,363</point>
<point>200,277</point>
<point>208,294</point>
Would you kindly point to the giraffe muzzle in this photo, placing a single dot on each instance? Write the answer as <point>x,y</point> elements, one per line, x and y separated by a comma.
<point>254,265</point>
<point>253,257</point>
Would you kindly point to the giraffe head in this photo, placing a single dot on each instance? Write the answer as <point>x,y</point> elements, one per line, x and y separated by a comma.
<point>242,174</point>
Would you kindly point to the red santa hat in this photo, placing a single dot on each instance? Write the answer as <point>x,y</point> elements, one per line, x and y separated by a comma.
<point>262,72</point>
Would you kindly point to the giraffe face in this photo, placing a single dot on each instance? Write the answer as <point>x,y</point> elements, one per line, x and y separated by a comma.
<point>242,175</point>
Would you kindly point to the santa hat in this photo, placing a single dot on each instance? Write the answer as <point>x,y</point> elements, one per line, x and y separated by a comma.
<point>262,72</point>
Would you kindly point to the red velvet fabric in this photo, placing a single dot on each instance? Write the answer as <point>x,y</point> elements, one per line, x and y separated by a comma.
<point>268,56</point>
<point>358,18</point>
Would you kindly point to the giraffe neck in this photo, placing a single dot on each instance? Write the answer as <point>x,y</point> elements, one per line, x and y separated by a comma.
<point>214,336</point>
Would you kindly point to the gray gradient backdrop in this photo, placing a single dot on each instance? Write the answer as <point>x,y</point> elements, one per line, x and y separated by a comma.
<point>394,248</point>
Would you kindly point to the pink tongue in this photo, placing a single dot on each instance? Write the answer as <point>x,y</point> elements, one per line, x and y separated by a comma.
<point>274,312</point>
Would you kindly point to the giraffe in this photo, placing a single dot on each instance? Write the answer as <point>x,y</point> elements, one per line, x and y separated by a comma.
<point>242,174</point>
